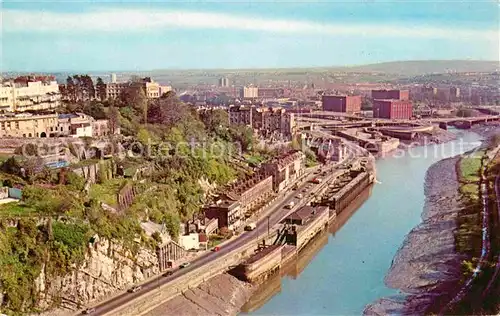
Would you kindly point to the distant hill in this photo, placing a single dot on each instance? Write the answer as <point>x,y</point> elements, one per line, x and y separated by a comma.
<point>391,69</point>
<point>421,67</point>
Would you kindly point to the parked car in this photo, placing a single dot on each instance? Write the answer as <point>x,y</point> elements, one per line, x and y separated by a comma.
<point>184,265</point>
<point>215,249</point>
<point>135,289</point>
<point>300,195</point>
<point>89,311</point>
<point>168,273</point>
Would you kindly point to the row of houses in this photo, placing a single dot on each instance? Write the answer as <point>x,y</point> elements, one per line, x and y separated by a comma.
<point>239,200</point>
<point>26,125</point>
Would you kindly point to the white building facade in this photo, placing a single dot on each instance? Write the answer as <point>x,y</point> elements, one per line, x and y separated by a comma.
<point>29,96</point>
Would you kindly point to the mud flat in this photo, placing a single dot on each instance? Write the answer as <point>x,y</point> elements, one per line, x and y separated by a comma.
<point>486,130</point>
<point>221,295</point>
<point>426,266</point>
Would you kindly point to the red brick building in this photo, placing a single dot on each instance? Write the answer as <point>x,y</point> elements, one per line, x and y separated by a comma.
<point>403,95</point>
<point>342,103</point>
<point>392,109</point>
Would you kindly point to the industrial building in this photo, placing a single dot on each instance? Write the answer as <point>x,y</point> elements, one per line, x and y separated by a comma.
<point>392,109</point>
<point>342,103</point>
<point>403,95</point>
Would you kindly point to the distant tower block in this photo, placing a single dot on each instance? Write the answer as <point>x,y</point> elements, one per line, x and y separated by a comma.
<point>113,78</point>
<point>223,82</point>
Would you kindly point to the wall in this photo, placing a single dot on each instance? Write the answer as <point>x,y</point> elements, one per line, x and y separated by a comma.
<point>306,233</point>
<point>143,304</point>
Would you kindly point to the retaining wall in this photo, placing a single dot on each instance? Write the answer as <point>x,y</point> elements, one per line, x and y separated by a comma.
<point>143,304</point>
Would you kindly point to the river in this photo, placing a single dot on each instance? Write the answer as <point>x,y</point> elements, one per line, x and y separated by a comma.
<point>348,272</point>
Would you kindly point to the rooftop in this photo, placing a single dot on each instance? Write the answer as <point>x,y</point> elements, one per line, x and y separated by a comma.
<point>239,187</point>
<point>305,212</point>
<point>286,159</point>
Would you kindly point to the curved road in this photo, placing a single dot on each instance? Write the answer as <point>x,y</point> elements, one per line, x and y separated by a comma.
<point>278,212</point>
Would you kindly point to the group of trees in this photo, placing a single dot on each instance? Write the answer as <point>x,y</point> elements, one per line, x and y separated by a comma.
<point>78,88</point>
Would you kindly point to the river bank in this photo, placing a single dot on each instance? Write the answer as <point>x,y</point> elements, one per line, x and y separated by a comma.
<point>427,264</point>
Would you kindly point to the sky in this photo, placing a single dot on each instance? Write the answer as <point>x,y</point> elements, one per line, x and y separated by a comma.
<point>124,36</point>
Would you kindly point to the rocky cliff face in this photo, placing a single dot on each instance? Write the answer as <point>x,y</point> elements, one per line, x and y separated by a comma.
<point>108,268</point>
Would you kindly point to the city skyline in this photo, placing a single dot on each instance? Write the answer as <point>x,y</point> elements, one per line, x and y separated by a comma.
<point>75,36</point>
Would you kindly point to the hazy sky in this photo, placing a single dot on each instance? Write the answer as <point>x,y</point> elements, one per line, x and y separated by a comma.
<point>111,35</point>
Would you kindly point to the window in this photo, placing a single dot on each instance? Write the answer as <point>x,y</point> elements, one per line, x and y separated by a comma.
<point>29,135</point>
<point>17,125</point>
<point>24,135</point>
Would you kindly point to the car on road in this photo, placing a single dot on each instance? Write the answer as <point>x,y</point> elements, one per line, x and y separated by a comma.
<point>135,289</point>
<point>215,249</point>
<point>184,265</point>
<point>89,311</point>
<point>299,196</point>
<point>168,273</point>
<point>316,180</point>
<point>290,205</point>
<point>250,226</point>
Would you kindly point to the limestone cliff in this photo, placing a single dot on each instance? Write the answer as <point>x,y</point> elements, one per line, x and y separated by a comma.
<point>107,269</point>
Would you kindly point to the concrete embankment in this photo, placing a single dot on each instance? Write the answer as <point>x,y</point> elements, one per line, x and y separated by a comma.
<point>222,295</point>
<point>427,263</point>
<point>142,305</point>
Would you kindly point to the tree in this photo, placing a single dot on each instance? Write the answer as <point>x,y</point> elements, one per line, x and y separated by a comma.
<point>243,135</point>
<point>100,89</point>
<point>114,118</point>
<point>78,88</point>
<point>215,120</point>
<point>11,166</point>
<point>88,87</point>
<point>96,110</point>
<point>167,111</point>
<point>135,97</point>
<point>143,136</point>
<point>172,223</point>
<point>70,89</point>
